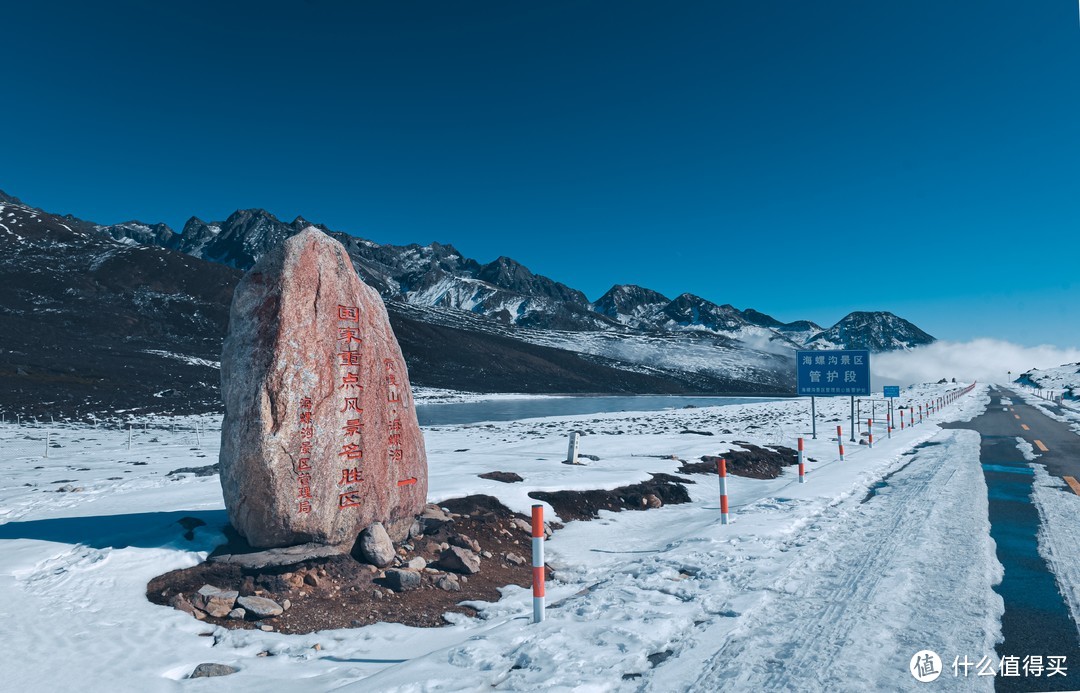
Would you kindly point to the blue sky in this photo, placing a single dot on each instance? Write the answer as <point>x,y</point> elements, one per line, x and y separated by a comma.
<point>805,159</point>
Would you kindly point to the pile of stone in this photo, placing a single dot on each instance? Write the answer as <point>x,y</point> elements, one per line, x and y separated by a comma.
<point>220,603</point>
<point>458,557</point>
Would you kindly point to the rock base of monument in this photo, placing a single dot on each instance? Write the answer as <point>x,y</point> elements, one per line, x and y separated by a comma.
<point>468,549</point>
<point>429,577</point>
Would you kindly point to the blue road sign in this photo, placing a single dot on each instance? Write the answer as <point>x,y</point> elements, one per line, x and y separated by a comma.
<point>833,373</point>
<point>891,391</point>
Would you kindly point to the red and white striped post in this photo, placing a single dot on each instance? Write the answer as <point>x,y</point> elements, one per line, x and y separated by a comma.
<point>802,467</point>
<point>840,441</point>
<point>901,419</point>
<point>920,413</point>
<point>888,425</point>
<point>538,562</point>
<point>870,432</point>
<point>721,468</point>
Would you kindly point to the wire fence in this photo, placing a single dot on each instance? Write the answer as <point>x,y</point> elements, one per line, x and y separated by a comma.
<point>40,440</point>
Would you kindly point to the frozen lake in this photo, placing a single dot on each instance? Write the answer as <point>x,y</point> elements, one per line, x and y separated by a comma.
<point>530,408</point>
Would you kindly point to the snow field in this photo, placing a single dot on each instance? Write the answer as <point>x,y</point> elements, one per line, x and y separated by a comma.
<point>730,603</point>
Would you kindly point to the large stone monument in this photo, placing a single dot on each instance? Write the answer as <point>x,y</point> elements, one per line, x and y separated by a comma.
<point>320,437</point>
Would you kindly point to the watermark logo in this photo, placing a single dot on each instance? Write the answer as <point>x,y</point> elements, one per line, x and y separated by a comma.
<point>925,666</point>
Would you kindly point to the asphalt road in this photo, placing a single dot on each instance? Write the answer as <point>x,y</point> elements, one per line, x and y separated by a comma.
<point>1057,445</point>
<point>1036,620</point>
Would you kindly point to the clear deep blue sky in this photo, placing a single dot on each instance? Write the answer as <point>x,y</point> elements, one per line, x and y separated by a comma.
<point>802,158</point>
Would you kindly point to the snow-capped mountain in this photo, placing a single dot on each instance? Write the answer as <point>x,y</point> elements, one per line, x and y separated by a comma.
<point>876,331</point>
<point>631,305</point>
<point>93,325</point>
<point>144,299</point>
<point>507,292</point>
<point>138,233</point>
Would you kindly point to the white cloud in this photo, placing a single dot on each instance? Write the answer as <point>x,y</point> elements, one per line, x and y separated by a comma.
<point>984,360</point>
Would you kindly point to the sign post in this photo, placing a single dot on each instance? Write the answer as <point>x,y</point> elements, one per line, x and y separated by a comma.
<point>853,420</point>
<point>832,373</point>
<point>890,392</point>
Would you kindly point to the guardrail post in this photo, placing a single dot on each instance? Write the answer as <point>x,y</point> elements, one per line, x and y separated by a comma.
<point>870,432</point>
<point>538,562</point>
<point>840,441</point>
<point>802,467</point>
<point>721,468</point>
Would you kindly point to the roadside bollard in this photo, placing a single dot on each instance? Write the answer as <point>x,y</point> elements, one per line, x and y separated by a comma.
<point>840,441</point>
<point>920,413</point>
<point>888,425</point>
<point>870,432</point>
<point>802,467</point>
<point>901,419</point>
<point>721,468</point>
<point>538,562</point>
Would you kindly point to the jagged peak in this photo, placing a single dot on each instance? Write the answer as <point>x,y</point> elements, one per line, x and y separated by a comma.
<point>634,290</point>
<point>242,215</point>
<point>760,319</point>
<point>193,222</point>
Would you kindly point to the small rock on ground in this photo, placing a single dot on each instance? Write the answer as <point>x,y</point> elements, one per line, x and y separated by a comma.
<point>459,560</point>
<point>402,580</point>
<point>207,669</point>
<point>261,607</point>
<point>445,583</point>
<point>376,547</point>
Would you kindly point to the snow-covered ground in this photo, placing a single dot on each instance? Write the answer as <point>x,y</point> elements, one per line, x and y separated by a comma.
<point>816,586</point>
<point>1059,379</point>
<point>1059,534</point>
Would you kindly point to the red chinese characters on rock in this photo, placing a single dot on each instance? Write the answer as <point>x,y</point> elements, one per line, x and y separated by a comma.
<point>303,463</point>
<point>394,452</point>
<point>350,361</point>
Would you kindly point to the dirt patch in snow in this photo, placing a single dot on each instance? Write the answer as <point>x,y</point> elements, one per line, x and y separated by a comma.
<point>505,477</point>
<point>586,505</point>
<point>342,592</point>
<point>754,462</point>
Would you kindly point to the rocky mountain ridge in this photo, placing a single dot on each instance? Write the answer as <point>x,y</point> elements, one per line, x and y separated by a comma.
<point>94,326</point>
<point>506,291</point>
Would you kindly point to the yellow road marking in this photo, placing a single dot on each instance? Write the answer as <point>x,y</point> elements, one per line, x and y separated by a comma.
<point>1025,427</point>
<point>1039,444</point>
<point>1073,484</point>
<point>1016,416</point>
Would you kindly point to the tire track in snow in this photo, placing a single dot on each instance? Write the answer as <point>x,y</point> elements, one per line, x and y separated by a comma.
<point>795,639</point>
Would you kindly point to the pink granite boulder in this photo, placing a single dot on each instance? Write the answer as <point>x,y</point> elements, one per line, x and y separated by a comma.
<point>320,437</point>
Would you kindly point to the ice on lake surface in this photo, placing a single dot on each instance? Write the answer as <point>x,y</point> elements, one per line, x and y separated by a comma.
<point>530,408</point>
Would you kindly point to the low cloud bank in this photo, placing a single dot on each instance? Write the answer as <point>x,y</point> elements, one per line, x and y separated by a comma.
<point>984,360</point>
